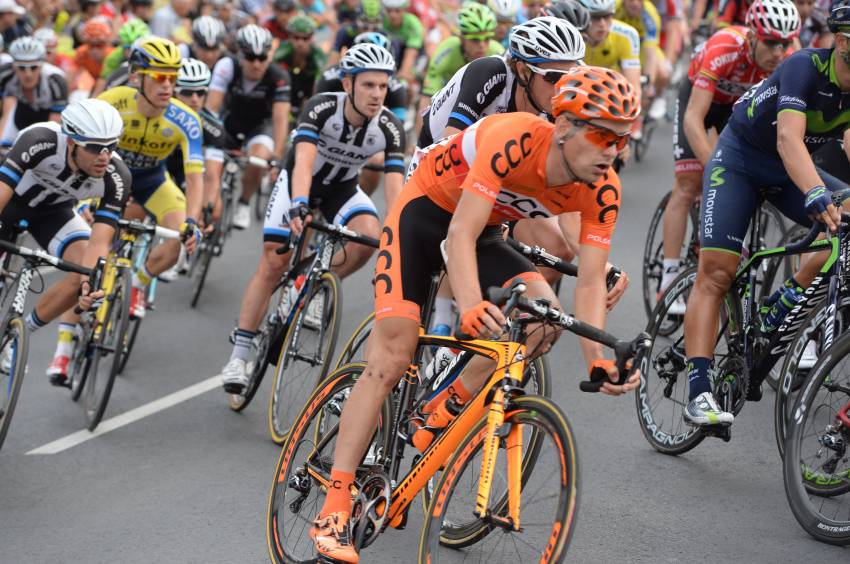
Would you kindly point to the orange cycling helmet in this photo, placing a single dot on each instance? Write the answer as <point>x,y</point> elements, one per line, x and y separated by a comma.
<point>97,31</point>
<point>595,93</point>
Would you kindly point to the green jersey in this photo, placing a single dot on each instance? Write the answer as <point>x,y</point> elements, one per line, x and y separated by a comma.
<point>447,60</point>
<point>112,62</point>
<point>410,32</point>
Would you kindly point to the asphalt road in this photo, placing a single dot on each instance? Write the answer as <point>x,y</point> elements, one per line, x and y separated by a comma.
<point>189,483</point>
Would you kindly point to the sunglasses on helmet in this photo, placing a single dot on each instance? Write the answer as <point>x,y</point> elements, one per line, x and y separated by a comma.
<point>602,137</point>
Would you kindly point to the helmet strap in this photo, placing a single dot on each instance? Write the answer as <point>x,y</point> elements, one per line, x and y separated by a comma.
<point>530,96</point>
<point>351,97</point>
<point>142,89</point>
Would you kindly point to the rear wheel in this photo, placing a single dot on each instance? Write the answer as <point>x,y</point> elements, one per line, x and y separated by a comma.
<point>203,265</point>
<point>653,252</point>
<point>304,465</point>
<point>14,345</point>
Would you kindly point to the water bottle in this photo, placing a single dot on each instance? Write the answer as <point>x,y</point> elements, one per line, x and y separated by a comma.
<point>780,306</point>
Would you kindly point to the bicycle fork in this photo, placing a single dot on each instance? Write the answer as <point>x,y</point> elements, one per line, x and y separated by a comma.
<point>496,430</point>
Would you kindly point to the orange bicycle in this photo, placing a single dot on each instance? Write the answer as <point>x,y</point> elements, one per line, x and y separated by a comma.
<point>478,474</point>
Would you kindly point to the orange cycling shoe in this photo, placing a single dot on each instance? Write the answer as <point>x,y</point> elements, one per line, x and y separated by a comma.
<point>332,537</point>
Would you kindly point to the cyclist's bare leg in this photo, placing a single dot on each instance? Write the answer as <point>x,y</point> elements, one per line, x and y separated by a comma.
<point>165,255</point>
<point>350,259</point>
<point>547,233</point>
<point>253,175</point>
<point>539,341</point>
<point>714,278</point>
<point>62,296</point>
<point>686,189</point>
<point>390,349</point>
<point>255,300</point>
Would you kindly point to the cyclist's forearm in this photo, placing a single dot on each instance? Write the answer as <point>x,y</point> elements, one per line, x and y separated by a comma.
<point>194,194</point>
<point>590,296</point>
<point>407,62</point>
<point>651,62</point>
<point>98,245</point>
<point>212,180</point>
<point>797,161</point>
<point>280,119</point>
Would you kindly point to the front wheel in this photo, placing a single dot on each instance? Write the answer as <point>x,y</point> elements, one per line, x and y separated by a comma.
<point>110,340</point>
<point>202,265</point>
<point>305,356</point>
<point>547,498</point>
<point>14,346</point>
<point>816,468</point>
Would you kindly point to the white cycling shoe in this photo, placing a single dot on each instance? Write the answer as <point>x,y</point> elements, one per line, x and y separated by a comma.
<point>235,375</point>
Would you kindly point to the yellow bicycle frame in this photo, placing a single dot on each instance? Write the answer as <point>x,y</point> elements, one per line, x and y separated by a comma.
<point>110,275</point>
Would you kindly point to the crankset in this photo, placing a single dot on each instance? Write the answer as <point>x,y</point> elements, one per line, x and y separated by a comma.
<point>370,508</point>
<point>731,384</point>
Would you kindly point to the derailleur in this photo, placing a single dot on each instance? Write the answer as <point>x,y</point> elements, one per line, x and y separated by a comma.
<point>370,508</point>
<point>301,483</point>
<point>668,364</point>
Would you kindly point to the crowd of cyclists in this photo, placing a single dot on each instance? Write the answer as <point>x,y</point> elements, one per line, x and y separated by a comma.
<point>482,121</point>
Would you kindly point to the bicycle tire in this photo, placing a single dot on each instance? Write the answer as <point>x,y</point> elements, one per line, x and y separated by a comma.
<point>203,265</point>
<point>78,367</point>
<point>112,336</point>
<point>317,409</point>
<point>803,479</point>
<point>791,375</point>
<point>653,252</point>
<point>288,401</point>
<point>353,347</point>
<point>12,389</point>
<point>547,418</point>
<point>680,438</point>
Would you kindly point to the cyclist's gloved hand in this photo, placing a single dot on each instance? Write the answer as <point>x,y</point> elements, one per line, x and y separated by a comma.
<point>191,234</point>
<point>481,320</point>
<point>606,369</point>
<point>818,200</point>
<point>87,299</point>
<point>298,211</point>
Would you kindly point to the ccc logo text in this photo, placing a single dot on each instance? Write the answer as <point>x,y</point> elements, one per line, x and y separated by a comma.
<point>515,151</point>
<point>448,159</point>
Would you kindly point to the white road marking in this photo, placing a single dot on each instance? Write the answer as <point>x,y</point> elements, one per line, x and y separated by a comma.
<point>131,416</point>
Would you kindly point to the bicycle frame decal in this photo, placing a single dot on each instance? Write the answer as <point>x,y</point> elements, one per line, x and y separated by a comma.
<point>20,299</point>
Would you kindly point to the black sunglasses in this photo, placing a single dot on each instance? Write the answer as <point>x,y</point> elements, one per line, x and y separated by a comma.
<point>252,57</point>
<point>188,93</point>
<point>27,67</point>
<point>774,43</point>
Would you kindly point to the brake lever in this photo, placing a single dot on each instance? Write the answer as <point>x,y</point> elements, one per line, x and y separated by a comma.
<point>624,352</point>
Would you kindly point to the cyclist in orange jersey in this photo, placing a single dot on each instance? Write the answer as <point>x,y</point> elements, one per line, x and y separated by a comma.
<point>505,166</point>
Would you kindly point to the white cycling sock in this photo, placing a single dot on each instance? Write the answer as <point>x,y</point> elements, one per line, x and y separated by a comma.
<point>442,312</point>
<point>65,343</point>
<point>670,271</point>
<point>242,343</point>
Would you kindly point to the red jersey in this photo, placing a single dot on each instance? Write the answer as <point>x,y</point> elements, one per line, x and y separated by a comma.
<point>724,66</point>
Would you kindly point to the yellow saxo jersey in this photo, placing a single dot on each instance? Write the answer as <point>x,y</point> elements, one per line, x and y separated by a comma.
<point>647,25</point>
<point>147,142</point>
<point>620,50</point>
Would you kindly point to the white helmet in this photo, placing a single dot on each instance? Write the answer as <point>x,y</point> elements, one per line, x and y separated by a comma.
<point>603,7</point>
<point>546,39</point>
<point>395,3</point>
<point>193,75</point>
<point>254,39</point>
<point>367,57</point>
<point>46,36</point>
<point>505,10</point>
<point>92,120</point>
<point>208,32</point>
<point>26,49</point>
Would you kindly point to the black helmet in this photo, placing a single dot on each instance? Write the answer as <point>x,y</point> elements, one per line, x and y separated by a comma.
<point>284,5</point>
<point>571,10</point>
<point>839,16</point>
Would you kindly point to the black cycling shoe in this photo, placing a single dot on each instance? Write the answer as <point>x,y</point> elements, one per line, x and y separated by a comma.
<point>60,381</point>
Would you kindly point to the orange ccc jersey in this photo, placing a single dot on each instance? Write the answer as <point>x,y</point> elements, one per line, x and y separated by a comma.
<point>502,158</point>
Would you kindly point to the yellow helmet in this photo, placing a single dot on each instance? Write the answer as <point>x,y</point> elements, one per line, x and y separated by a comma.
<point>155,53</point>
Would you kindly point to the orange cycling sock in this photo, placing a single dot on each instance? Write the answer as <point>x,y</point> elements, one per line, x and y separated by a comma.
<point>339,494</point>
